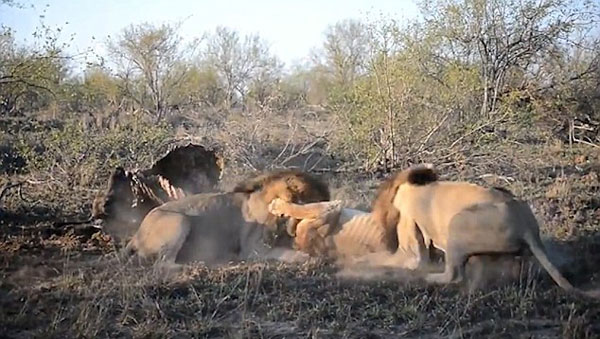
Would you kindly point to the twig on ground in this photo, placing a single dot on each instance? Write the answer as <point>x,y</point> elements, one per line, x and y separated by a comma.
<point>19,185</point>
<point>8,186</point>
<point>20,193</point>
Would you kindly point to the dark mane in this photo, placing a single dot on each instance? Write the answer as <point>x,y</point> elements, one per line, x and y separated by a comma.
<point>420,175</point>
<point>296,180</point>
<point>382,208</point>
<point>504,190</point>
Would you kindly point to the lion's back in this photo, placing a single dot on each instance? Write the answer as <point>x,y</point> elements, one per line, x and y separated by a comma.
<point>198,204</point>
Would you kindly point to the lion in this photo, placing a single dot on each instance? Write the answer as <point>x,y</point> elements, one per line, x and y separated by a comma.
<point>330,230</point>
<point>220,227</point>
<point>464,220</point>
<point>324,224</point>
<point>321,220</point>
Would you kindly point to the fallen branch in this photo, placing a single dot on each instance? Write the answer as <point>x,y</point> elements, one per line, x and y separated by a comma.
<point>506,179</point>
<point>573,138</point>
<point>8,186</point>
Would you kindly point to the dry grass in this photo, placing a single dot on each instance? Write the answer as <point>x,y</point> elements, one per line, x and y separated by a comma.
<point>67,283</point>
<point>76,297</point>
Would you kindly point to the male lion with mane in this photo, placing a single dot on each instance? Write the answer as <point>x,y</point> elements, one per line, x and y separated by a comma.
<point>488,227</point>
<point>328,228</point>
<point>220,227</point>
<point>464,220</point>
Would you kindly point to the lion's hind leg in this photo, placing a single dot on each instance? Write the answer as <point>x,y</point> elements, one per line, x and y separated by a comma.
<point>412,253</point>
<point>454,271</point>
<point>315,210</point>
<point>474,231</point>
<point>169,251</point>
<point>311,235</point>
<point>325,211</point>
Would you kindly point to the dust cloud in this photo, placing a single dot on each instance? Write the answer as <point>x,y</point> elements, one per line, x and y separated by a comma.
<point>481,271</point>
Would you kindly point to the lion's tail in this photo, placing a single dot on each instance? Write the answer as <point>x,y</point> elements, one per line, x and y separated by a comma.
<point>537,248</point>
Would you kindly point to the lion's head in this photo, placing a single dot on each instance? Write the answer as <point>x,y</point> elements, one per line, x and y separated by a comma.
<point>288,185</point>
<point>383,209</point>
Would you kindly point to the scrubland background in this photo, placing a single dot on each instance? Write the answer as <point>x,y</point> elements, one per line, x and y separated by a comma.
<point>498,92</point>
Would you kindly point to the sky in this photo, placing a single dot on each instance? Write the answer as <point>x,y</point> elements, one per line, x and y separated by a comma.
<point>292,28</point>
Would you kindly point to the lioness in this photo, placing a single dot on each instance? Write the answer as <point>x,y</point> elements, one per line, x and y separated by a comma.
<point>328,229</point>
<point>221,227</point>
<point>463,219</point>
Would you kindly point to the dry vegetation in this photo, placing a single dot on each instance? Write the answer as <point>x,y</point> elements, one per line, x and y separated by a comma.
<point>524,115</point>
<point>59,282</point>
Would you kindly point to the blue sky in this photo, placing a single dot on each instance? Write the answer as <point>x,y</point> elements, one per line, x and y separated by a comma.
<point>292,28</point>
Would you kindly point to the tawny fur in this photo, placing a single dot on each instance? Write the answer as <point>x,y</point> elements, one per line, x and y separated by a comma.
<point>464,220</point>
<point>221,227</point>
<point>328,229</point>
